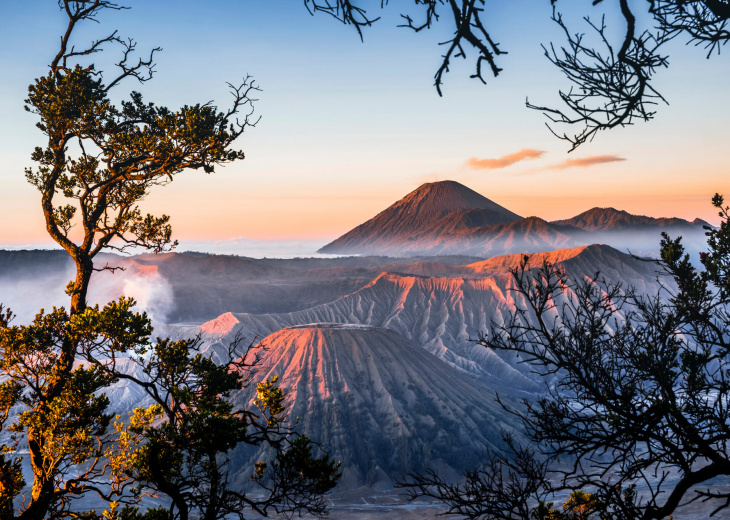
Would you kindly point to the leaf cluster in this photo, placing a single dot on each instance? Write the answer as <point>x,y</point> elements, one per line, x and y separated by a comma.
<point>58,408</point>
<point>177,447</point>
<point>124,151</point>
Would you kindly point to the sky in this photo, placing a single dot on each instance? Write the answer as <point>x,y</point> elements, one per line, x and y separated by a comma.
<point>348,126</point>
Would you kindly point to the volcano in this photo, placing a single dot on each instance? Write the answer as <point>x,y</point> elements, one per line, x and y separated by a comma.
<point>447,218</point>
<point>610,219</point>
<point>407,409</point>
<point>421,216</point>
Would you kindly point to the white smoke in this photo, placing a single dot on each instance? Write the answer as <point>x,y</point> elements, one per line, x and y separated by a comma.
<point>151,291</point>
<point>27,295</point>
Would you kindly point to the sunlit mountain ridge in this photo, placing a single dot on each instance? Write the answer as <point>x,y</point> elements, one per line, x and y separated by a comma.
<point>376,354</point>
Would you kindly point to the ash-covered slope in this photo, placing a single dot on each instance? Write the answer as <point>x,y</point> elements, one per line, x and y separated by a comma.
<point>416,217</point>
<point>380,405</point>
<point>440,314</point>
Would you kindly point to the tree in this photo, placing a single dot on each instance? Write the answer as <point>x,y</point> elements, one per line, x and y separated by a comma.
<point>123,151</point>
<point>98,162</point>
<point>637,409</point>
<point>176,447</point>
<point>611,79</point>
<point>184,455</point>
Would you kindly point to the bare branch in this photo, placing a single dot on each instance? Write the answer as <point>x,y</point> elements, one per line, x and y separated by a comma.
<point>610,88</point>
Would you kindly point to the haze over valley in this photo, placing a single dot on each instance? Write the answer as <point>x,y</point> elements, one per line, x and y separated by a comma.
<point>364,261</point>
<point>378,345</point>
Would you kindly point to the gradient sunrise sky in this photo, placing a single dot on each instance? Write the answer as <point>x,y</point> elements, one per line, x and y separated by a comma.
<point>349,127</point>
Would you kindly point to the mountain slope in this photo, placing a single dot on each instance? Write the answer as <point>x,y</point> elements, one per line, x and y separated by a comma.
<point>440,314</point>
<point>415,214</point>
<point>528,235</point>
<point>447,218</point>
<point>407,409</point>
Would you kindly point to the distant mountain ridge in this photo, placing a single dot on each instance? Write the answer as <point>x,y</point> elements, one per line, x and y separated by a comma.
<point>407,409</point>
<point>610,219</point>
<point>447,218</point>
<point>440,313</point>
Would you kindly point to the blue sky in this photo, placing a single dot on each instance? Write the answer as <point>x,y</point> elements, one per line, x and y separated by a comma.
<point>348,127</point>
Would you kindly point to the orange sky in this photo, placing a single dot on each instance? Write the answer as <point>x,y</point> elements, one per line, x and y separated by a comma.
<point>348,127</point>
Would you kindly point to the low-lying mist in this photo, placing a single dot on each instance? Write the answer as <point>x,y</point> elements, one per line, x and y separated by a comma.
<point>35,280</point>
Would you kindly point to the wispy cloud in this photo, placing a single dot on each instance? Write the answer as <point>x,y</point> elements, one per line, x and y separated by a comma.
<point>584,162</point>
<point>503,162</point>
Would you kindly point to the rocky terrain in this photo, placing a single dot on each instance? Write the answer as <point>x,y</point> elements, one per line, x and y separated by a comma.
<point>373,345</point>
<point>376,353</point>
<point>379,403</point>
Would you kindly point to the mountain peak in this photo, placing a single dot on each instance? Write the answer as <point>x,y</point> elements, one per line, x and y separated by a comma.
<point>409,409</point>
<point>445,197</point>
<point>220,326</point>
<point>413,217</point>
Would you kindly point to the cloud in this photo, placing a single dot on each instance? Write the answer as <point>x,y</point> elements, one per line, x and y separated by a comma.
<point>586,161</point>
<point>503,162</point>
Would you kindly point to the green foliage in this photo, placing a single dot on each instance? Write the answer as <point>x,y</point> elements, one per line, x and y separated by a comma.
<point>60,411</point>
<point>270,400</point>
<point>638,392</point>
<point>125,151</point>
<point>184,455</point>
<point>580,506</point>
<point>176,447</point>
<point>98,162</point>
<point>717,261</point>
<point>544,511</point>
<point>73,103</point>
<point>132,513</point>
<point>297,464</point>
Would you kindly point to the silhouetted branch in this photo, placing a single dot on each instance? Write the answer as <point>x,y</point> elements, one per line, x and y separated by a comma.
<point>345,11</point>
<point>77,11</point>
<point>703,21</point>
<point>470,31</point>
<point>505,487</point>
<point>633,375</point>
<point>142,70</point>
<point>610,88</point>
<point>107,267</point>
